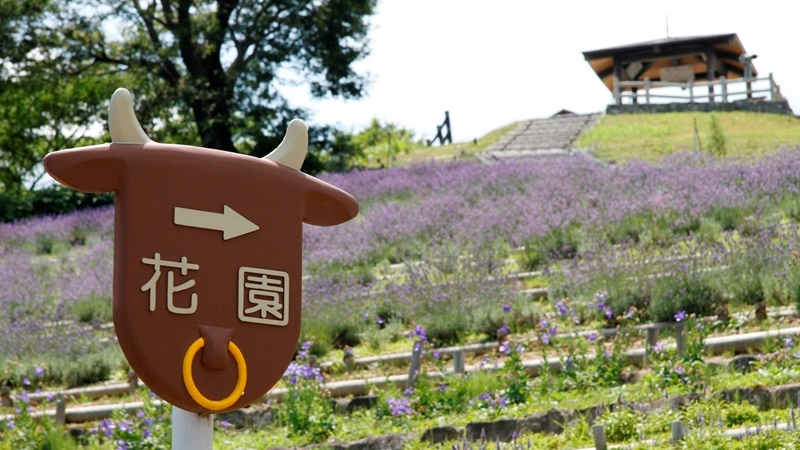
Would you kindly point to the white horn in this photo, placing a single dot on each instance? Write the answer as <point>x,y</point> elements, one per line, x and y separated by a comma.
<point>293,148</point>
<point>122,123</point>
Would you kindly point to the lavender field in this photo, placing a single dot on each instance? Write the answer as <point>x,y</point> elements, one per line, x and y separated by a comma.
<point>436,244</point>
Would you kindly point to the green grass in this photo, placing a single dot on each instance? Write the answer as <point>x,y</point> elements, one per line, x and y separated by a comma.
<point>652,136</point>
<point>619,137</point>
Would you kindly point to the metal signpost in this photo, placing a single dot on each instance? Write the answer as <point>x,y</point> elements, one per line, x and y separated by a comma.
<point>207,261</point>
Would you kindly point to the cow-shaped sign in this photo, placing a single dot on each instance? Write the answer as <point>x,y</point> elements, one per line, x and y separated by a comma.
<point>207,256</point>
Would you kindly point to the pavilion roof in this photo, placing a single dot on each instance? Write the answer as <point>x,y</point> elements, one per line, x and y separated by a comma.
<point>689,54</point>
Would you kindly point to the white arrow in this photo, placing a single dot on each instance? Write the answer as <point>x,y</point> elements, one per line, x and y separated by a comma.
<point>231,223</point>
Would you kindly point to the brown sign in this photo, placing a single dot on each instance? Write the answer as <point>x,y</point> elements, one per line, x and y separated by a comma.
<point>207,257</point>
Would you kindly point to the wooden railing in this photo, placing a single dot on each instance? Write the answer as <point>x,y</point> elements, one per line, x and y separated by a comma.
<point>730,90</point>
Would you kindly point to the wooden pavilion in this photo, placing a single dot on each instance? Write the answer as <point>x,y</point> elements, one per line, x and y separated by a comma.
<point>717,65</point>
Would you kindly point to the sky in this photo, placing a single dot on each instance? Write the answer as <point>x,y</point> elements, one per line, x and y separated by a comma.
<point>494,63</point>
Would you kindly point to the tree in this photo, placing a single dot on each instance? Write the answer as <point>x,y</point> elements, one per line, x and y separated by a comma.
<point>379,138</point>
<point>204,72</point>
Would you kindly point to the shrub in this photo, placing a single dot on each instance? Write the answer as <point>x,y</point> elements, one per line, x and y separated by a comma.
<point>344,335</point>
<point>307,409</point>
<point>620,425</point>
<point>24,431</point>
<point>728,217</point>
<point>558,243</point>
<point>56,199</point>
<point>740,414</point>
<point>717,141</point>
<point>685,291</point>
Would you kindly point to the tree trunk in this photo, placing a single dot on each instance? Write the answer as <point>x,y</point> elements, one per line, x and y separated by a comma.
<point>212,122</point>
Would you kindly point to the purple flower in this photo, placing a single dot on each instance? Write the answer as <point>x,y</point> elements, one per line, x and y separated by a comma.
<point>659,347</point>
<point>504,329</point>
<point>553,330</point>
<point>607,311</point>
<point>520,348</point>
<point>107,426</point>
<point>504,348</point>
<point>224,424</point>
<point>679,370</point>
<point>125,426</point>
<point>399,406</point>
<point>562,308</point>
<point>442,387</point>
<point>788,341</point>
<point>10,424</point>
<point>545,339</point>
<point>39,371</point>
<point>506,308</point>
<point>591,337</point>
<point>419,333</point>
<point>23,396</point>
<point>26,381</point>
<point>680,316</point>
<point>501,402</point>
<point>544,323</point>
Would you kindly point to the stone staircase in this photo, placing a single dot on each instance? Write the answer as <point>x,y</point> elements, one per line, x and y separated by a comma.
<point>553,136</point>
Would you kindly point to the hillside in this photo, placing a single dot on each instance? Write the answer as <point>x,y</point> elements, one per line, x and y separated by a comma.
<point>650,137</point>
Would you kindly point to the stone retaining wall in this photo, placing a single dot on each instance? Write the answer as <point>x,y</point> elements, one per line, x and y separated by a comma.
<point>774,107</point>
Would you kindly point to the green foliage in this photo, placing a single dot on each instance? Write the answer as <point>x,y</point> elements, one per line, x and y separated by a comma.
<point>728,217</point>
<point>620,425</point>
<point>686,291</point>
<point>307,408</point>
<point>717,141</point>
<point>513,374</point>
<point>203,72</point>
<point>24,432</point>
<point>558,243</point>
<point>90,370</point>
<point>737,414</point>
<point>688,370</point>
<point>92,310</point>
<point>384,141</point>
<point>447,330</point>
<point>148,429</point>
<point>332,150</point>
<point>16,205</point>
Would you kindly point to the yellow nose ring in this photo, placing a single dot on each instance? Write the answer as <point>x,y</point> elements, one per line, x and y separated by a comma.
<point>188,380</point>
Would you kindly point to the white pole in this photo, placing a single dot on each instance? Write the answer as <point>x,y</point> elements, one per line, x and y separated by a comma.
<point>191,431</point>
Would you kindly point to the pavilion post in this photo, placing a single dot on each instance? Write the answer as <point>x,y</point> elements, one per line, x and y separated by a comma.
<point>724,82</point>
<point>772,95</point>
<point>710,63</point>
<point>647,90</point>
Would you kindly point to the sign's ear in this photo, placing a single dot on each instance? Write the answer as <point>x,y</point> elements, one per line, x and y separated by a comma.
<point>99,168</point>
<point>88,169</point>
<point>325,205</point>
